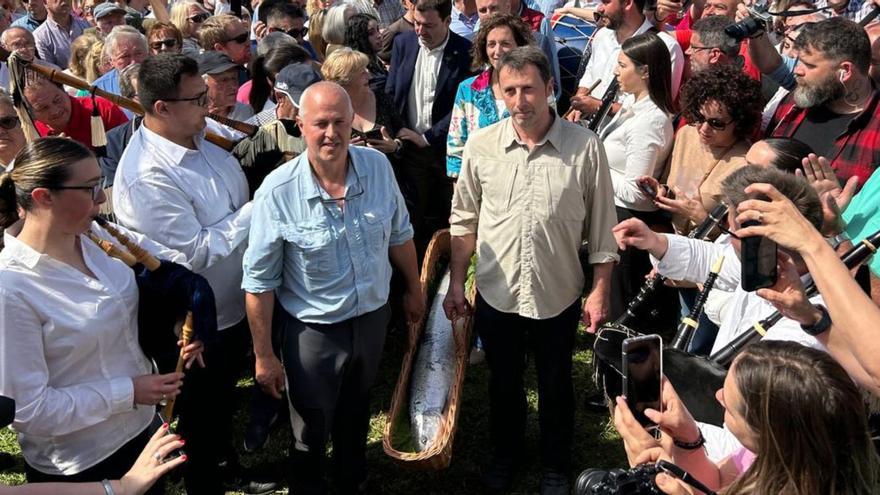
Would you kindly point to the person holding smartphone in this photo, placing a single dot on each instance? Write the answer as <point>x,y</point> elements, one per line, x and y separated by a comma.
<point>770,387</point>
<point>637,141</point>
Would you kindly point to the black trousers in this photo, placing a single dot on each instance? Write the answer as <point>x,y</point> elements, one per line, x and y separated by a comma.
<point>507,338</point>
<point>111,468</point>
<point>330,370</point>
<point>425,171</point>
<point>206,406</point>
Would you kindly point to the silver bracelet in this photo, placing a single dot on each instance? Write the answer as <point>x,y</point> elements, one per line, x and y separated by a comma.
<point>108,488</point>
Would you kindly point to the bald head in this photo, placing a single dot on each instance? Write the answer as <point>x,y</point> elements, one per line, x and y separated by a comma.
<point>19,38</point>
<point>325,95</point>
<point>873,31</point>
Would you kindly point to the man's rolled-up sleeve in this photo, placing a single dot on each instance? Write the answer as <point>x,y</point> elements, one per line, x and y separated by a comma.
<point>599,201</point>
<point>466,199</point>
<point>263,262</point>
<point>401,227</point>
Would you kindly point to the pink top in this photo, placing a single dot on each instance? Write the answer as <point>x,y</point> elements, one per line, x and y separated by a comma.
<point>742,459</point>
<point>244,93</point>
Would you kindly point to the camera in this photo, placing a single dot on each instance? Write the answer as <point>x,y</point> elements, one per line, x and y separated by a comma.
<point>638,480</point>
<point>757,21</point>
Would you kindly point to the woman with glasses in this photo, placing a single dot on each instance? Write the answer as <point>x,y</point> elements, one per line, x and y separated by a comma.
<point>362,34</point>
<point>164,37</point>
<point>188,17</point>
<point>69,355</point>
<point>11,136</point>
<point>722,106</point>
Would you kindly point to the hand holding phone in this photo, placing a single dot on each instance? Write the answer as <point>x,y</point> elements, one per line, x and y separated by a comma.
<point>642,372</point>
<point>758,261</point>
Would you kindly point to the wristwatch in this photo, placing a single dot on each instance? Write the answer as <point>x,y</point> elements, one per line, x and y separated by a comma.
<point>838,239</point>
<point>820,326</point>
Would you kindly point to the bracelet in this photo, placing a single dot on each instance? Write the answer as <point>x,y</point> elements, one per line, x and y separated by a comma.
<point>108,488</point>
<point>690,445</point>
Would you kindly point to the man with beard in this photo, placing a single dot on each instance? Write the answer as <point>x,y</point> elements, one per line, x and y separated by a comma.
<point>834,105</point>
<point>621,19</point>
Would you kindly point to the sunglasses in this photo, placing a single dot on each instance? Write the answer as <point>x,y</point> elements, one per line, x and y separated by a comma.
<point>293,33</point>
<point>169,43</point>
<point>10,122</point>
<point>200,99</point>
<point>198,18</point>
<point>717,124</point>
<point>240,39</point>
<point>95,189</point>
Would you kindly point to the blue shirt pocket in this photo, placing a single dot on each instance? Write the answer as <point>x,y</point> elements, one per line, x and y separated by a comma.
<point>377,229</point>
<point>313,250</point>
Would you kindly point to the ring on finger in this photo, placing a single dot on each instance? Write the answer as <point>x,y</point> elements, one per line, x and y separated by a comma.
<point>760,217</point>
<point>158,458</point>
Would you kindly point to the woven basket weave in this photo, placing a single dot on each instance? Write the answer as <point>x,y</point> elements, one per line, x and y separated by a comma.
<point>439,453</point>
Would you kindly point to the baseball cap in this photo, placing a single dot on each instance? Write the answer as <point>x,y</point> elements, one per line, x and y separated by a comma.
<point>294,79</point>
<point>106,8</point>
<point>212,62</point>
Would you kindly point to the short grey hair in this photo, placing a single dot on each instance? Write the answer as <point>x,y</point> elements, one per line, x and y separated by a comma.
<point>322,85</point>
<point>518,58</point>
<point>120,33</point>
<point>712,34</point>
<point>795,188</point>
<point>333,30</point>
<point>12,29</point>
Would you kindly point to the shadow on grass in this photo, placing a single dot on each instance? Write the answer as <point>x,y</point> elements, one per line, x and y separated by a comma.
<point>595,443</point>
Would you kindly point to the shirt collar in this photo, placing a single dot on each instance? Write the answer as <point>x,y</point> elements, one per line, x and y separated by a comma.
<point>457,14</point>
<point>644,27</point>
<point>553,136</point>
<point>172,150</point>
<point>435,50</point>
<point>19,251</point>
<point>308,183</point>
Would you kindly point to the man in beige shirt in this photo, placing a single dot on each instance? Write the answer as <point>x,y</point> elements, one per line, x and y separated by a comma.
<point>533,188</point>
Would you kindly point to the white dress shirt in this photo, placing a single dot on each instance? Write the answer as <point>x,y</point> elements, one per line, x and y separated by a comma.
<point>637,141</point>
<point>690,259</point>
<point>420,100</point>
<point>68,352</point>
<point>194,201</point>
<point>604,59</point>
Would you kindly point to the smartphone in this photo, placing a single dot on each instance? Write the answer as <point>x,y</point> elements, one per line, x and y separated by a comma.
<point>373,134</point>
<point>355,134</point>
<point>642,369</point>
<point>647,189</point>
<point>758,261</point>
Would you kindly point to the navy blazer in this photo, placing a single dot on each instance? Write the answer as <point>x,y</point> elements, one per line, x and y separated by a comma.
<point>454,68</point>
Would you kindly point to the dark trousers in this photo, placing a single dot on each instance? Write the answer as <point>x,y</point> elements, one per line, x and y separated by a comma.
<point>206,406</point>
<point>507,338</point>
<point>111,468</point>
<point>330,370</point>
<point>425,171</point>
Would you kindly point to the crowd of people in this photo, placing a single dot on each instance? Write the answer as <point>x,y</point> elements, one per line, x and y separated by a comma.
<point>288,162</point>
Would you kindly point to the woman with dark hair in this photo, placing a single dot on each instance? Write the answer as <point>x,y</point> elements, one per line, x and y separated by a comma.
<point>85,392</point>
<point>786,154</point>
<point>478,101</point>
<point>362,35</point>
<point>723,107</point>
<point>637,141</point>
<point>264,68</point>
<point>799,417</point>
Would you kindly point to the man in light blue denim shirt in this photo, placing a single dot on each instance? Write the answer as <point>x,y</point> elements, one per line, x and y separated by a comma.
<point>323,229</point>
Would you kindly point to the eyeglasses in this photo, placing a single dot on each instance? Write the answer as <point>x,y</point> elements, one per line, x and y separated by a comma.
<point>200,99</point>
<point>198,18</point>
<point>9,122</point>
<point>717,124</point>
<point>293,33</point>
<point>168,44</point>
<point>698,48</point>
<point>95,189</point>
<point>240,39</point>
<point>347,197</point>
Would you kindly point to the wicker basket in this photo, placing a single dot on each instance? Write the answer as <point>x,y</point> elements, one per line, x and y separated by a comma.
<point>439,453</point>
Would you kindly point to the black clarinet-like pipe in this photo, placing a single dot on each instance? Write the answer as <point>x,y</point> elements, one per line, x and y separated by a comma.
<point>859,253</point>
<point>688,324</point>
<point>605,107</point>
<point>701,231</point>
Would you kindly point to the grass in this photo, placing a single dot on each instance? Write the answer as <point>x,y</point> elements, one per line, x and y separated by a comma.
<point>595,442</point>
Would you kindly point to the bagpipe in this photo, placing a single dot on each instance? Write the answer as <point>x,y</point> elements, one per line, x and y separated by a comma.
<point>174,303</point>
<point>697,378</point>
<point>259,152</point>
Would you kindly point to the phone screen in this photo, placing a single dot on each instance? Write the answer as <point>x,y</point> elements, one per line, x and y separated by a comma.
<point>758,261</point>
<point>374,134</point>
<point>642,368</point>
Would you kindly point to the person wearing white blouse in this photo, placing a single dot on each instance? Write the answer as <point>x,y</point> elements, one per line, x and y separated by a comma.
<point>69,354</point>
<point>637,142</point>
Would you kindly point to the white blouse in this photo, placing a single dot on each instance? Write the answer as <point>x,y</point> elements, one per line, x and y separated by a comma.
<point>68,352</point>
<point>637,142</point>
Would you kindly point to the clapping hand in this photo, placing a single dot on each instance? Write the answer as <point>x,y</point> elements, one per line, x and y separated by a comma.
<point>835,199</point>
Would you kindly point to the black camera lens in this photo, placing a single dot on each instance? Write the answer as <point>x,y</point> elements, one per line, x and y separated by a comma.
<point>745,28</point>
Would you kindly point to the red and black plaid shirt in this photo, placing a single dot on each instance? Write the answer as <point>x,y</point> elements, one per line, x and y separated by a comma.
<point>855,152</point>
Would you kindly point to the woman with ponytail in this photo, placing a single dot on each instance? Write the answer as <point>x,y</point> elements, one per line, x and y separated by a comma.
<point>69,356</point>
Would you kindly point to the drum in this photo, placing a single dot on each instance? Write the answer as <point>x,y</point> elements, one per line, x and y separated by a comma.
<point>573,37</point>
